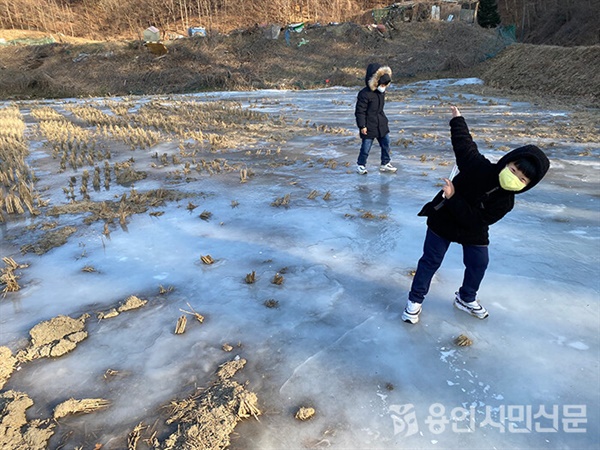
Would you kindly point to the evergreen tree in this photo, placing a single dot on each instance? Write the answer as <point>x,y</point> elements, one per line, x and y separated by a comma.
<point>487,15</point>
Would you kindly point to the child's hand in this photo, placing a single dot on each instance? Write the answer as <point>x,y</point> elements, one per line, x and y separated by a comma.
<point>455,111</point>
<point>448,188</point>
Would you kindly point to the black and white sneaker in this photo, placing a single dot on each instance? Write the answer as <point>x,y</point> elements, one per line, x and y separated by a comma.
<point>473,308</point>
<point>411,312</point>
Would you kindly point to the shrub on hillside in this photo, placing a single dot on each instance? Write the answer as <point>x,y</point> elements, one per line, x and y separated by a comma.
<point>488,16</point>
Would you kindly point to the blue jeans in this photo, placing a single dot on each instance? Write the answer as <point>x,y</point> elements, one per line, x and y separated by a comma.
<point>365,148</point>
<point>475,259</point>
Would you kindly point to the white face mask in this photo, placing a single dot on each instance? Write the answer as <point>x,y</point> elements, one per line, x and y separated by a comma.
<point>381,89</point>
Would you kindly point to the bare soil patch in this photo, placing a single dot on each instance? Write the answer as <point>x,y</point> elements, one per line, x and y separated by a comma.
<point>317,57</point>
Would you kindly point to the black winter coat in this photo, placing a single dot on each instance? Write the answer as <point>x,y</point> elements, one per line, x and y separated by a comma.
<point>370,103</point>
<point>478,201</point>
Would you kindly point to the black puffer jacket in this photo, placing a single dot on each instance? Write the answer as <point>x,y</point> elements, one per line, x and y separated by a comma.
<point>370,102</point>
<point>479,201</point>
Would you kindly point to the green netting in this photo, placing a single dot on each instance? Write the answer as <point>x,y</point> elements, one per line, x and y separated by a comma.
<point>508,34</point>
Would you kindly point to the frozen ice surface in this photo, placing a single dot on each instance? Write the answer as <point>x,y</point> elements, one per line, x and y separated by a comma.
<point>336,341</point>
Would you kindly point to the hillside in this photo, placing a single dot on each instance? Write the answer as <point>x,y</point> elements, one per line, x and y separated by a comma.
<point>317,57</point>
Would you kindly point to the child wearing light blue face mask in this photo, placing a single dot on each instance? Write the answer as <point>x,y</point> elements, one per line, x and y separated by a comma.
<point>481,194</point>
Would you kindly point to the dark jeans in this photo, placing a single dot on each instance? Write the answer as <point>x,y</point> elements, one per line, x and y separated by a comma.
<point>365,148</point>
<point>475,259</point>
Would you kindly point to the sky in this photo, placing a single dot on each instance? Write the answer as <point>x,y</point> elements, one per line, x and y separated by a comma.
<point>335,341</point>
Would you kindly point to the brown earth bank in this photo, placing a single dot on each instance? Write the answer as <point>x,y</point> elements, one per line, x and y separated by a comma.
<point>319,56</point>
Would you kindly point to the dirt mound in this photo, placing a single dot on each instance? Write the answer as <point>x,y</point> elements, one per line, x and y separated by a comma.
<point>7,365</point>
<point>319,56</point>
<point>244,60</point>
<point>54,338</point>
<point>16,432</point>
<point>206,419</point>
<point>572,71</point>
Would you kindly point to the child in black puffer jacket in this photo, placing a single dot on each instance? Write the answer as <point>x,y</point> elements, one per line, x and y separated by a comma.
<point>371,119</point>
<point>480,195</point>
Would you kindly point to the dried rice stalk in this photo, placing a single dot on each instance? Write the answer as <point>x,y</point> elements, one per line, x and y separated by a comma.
<point>132,302</point>
<point>86,405</point>
<point>181,323</point>
<point>108,314</point>
<point>199,317</point>
<point>106,231</point>
<point>251,277</point>
<point>8,276</point>
<point>110,373</point>
<point>305,413</point>
<point>277,279</point>
<point>282,201</point>
<point>207,259</point>
<point>164,290</point>
<point>463,341</point>
<point>134,436</point>
<point>248,401</point>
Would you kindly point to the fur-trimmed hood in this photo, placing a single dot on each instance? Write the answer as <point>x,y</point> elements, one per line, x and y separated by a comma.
<point>374,73</point>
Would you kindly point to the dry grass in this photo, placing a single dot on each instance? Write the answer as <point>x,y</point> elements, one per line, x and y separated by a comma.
<point>250,277</point>
<point>88,150</point>
<point>181,324</point>
<point>206,419</point>
<point>199,317</point>
<point>271,303</point>
<point>277,279</point>
<point>134,436</point>
<point>205,215</point>
<point>207,259</point>
<point>305,413</point>
<point>463,341</point>
<point>16,177</point>
<point>8,277</point>
<point>282,201</point>
<point>246,61</point>
<point>85,406</point>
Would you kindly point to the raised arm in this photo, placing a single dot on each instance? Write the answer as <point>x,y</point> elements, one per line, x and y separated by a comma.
<point>465,149</point>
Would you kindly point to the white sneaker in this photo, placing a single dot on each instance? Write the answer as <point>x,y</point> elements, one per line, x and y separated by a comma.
<point>473,308</point>
<point>387,168</point>
<point>411,312</point>
<point>361,169</point>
